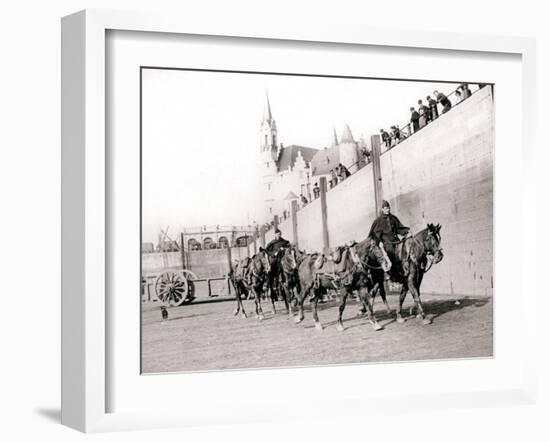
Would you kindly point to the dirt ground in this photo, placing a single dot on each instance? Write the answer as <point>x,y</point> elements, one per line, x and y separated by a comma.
<point>207,336</point>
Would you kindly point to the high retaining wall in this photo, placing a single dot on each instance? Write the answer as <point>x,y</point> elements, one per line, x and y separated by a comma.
<point>442,174</point>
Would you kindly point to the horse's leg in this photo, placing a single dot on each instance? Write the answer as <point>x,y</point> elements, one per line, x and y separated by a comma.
<point>257,299</point>
<point>341,308</point>
<point>364,295</point>
<point>273,297</point>
<point>237,298</point>
<point>414,287</point>
<point>286,297</point>
<point>301,299</point>
<point>240,305</point>
<point>385,300</point>
<point>402,296</point>
<point>317,295</point>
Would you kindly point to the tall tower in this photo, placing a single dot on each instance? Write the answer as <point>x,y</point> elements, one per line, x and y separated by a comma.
<point>348,148</point>
<point>268,158</point>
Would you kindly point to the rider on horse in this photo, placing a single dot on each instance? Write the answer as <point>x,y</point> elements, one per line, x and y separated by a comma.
<point>273,249</point>
<point>386,230</point>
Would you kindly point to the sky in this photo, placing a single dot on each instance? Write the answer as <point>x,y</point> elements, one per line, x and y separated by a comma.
<point>200,135</point>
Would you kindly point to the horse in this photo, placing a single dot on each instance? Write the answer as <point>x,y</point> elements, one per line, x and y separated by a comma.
<point>289,280</point>
<point>415,252</point>
<point>250,274</point>
<point>346,272</point>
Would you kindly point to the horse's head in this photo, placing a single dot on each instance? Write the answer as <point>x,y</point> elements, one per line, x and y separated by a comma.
<point>288,259</point>
<point>432,242</point>
<point>264,259</point>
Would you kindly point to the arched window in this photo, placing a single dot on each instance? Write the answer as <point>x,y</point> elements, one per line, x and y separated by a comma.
<point>193,244</point>
<point>207,242</point>
<point>241,241</point>
<point>223,242</point>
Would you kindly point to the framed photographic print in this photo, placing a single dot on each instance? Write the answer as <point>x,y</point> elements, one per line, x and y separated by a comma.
<point>289,212</point>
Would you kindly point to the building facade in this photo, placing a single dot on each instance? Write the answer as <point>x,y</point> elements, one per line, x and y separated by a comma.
<point>291,172</point>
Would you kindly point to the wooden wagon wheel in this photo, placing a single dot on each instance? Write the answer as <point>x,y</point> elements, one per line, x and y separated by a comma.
<point>172,288</point>
<point>191,285</point>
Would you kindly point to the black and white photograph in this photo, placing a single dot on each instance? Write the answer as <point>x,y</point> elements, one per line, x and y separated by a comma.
<point>306,220</point>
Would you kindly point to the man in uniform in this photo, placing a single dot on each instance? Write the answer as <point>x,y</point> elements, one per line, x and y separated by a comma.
<point>273,249</point>
<point>386,229</point>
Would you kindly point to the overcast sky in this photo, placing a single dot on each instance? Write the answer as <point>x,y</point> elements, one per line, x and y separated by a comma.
<point>201,135</point>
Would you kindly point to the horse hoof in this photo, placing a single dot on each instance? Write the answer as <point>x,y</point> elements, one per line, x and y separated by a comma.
<point>318,326</point>
<point>261,317</point>
<point>426,321</point>
<point>243,315</point>
<point>400,320</point>
<point>361,312</point>
<point>419,316</point>
<point>340,327</point>
<point>376,326</point>
<point>298,319</point>
<point>235,313</point>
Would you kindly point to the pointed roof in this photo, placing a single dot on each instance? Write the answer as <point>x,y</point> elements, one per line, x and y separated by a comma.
<point>291,196</point>
<point>267,109</point>
<point>347,137</point>
<point>334,138</point>
<point>324,160</point>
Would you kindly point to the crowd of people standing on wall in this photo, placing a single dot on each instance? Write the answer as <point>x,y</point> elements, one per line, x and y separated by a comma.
<point>426,112</point>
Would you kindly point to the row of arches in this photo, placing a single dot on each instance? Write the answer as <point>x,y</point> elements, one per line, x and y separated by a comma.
<point>222,243</point>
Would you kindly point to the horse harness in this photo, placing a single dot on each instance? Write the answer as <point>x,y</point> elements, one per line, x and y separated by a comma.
<point>337,278</point>
<point>429,255</point>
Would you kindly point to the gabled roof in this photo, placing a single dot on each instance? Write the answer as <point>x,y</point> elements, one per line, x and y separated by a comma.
<point>324,160</point>
<point>291,196</point>
<point>289,154</point>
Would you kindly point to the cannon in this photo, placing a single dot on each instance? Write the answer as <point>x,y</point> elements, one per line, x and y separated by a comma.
<point>174,288</point>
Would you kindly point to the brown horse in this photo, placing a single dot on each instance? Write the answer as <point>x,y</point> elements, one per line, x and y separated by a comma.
<point>289,280</point>
<point>346,273</point>
<point>250,274</point>
<point>418,253</point>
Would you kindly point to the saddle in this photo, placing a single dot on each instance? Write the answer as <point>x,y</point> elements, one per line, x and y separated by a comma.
<point>333,263</point>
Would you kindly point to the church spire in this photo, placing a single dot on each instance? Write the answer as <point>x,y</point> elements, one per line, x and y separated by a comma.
<point>267,109</point>
<point>334,138</point>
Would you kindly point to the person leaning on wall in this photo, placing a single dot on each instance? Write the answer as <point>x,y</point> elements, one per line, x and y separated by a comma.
<point>443,100</point>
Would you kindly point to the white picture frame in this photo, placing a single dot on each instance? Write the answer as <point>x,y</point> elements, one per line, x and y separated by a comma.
<point>85,201</point>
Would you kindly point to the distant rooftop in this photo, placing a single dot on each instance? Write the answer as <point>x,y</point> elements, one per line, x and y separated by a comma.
<point>324,160</point>
<point>290,153</point>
